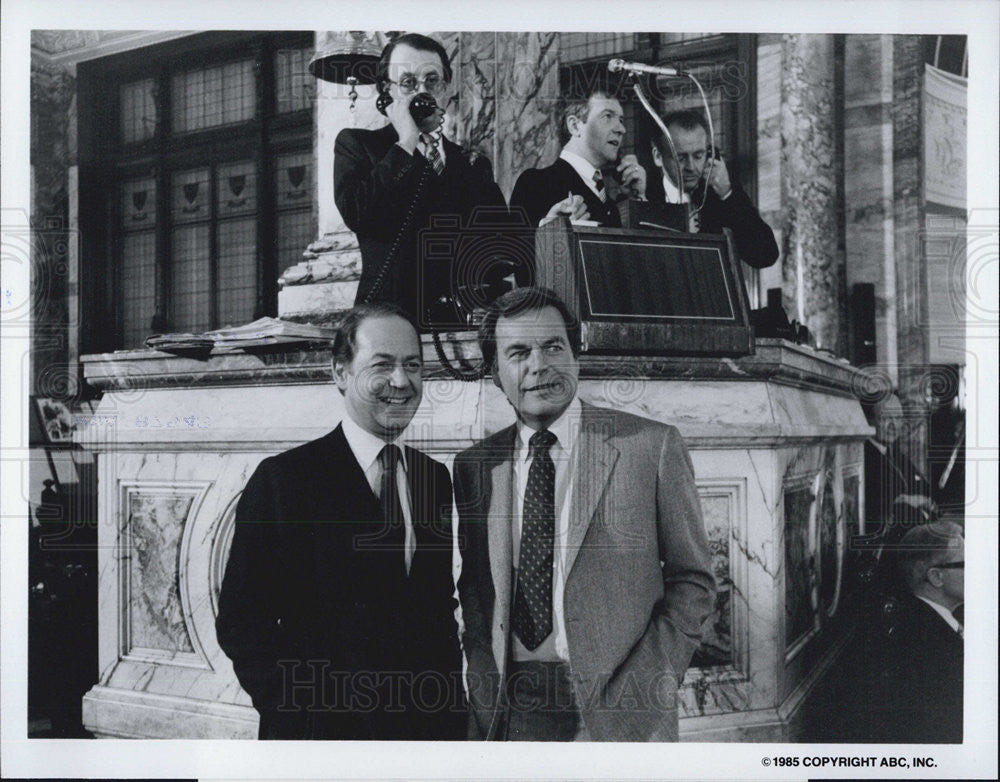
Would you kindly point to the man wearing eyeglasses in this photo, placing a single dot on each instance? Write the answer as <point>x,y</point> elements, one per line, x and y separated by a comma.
<point>393,183</point>
<point>917,695</point>
<point>725,203</point>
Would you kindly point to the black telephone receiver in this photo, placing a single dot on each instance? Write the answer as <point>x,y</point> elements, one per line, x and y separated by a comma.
<point>426,114</point>
<point>423,108</point>
<point>613,179</point>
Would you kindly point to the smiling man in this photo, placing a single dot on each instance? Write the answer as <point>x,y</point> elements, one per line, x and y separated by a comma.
<point>592,131</point>
<point>337,606</point>
<point>585,567</point>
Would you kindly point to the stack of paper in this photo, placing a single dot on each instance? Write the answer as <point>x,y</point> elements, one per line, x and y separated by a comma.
<point>179,341</point>
<point>263,331</point>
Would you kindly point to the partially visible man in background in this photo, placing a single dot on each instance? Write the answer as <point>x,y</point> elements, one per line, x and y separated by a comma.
<point>912,692</point>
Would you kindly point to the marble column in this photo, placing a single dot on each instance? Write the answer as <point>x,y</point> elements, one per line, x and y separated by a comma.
<point>813,266</point>
<point>769,203</point>
<point>327,278</point>
<point>909,259</point>
<point>52,246</point>
<point>527,97</point>
<point>326,281</point>
<point>476,76</point>
<point>868,190</point>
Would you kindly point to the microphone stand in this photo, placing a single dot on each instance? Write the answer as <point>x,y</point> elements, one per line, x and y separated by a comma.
<point>637,88</point>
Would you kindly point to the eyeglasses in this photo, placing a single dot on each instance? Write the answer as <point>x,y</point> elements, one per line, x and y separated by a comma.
<point>408,85</point>
<point>949,565</point>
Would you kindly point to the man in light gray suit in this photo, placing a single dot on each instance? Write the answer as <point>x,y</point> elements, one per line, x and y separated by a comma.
<point>585,566</point>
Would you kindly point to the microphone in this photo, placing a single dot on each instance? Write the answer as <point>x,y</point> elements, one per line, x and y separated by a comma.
<point>616,65</point>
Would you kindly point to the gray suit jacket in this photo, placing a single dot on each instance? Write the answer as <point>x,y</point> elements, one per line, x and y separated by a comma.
<point>639,583</point>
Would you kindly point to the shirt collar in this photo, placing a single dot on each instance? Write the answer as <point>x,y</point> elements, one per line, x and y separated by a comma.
<point>674,196</point>
<point>944,613</point>
<point>439,143</point>
<point>581,166</point>
<point>566,428</point>
<point>364,445</point>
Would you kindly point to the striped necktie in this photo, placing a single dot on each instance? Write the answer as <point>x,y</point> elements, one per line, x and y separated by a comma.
<point>599,184</point>
<point>431,151</point>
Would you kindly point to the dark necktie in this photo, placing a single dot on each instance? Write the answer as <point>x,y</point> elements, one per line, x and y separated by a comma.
<point>431,151</point>
<point>959,614</point>
<point>388,497</point>
<point>532,615</point>
<point>599,184</point>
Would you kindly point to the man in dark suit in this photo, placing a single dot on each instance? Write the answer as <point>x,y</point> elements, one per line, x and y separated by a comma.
<point>391,184</point>
<point>337,605</point>
<point>591,130</point>
<point>918,695</point>
<point>726,205</point>
<point>585,565</point>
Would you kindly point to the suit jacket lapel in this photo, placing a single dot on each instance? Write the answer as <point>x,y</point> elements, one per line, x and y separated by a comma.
<point>595,459</point>
<point>499,516</point>
<point>605,212</point>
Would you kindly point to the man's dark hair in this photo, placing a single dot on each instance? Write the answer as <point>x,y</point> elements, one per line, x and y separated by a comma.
<point>416,41</point>
<point>685,120</point>
<point>923,547</point>
<point>514,303</point>
<point>345,343</point>
<point>579,106</point>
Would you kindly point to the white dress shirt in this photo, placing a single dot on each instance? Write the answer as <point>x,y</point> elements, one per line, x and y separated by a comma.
<point>674,196</point>
<point>945,614</point>
<point>584,169</point>
<point>366,447</point>
<point>567,430</point>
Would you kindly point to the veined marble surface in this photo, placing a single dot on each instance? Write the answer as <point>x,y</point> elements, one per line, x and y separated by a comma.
<point>527,99</point>
<point>813,265</point>
<point>759,431</point>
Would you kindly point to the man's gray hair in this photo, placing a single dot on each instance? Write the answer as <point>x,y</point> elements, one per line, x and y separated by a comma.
<point>925,546</point>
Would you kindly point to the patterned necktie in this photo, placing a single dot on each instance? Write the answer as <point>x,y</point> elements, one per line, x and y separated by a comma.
<point>532,615</point>
<point>599,184</point>
<point>388,497</point>
<point>431,151</point>
<point>959,614</point>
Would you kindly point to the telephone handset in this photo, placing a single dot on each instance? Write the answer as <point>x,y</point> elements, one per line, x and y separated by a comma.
<point>712,156</point>
<point>423,108</point>
<point>426,114</point>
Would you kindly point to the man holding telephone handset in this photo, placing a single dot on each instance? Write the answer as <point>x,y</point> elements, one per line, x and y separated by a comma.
<point>390,183</point>
<point>588,180</point>
<point>716,201</point>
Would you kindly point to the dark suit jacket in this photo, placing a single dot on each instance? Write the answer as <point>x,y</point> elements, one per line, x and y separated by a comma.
<point>309,597</point>
<point>753,237</point>
<point>639,582</point>
<point>537,189</point>
<point>376,188</point>
<point>918,695</point>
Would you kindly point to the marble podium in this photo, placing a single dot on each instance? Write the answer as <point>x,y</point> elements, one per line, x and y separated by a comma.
<point>776,440</point>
